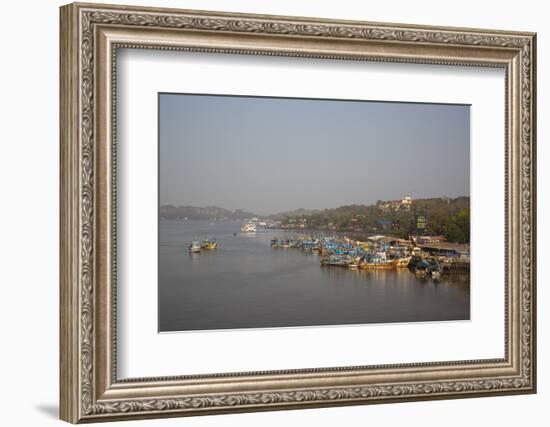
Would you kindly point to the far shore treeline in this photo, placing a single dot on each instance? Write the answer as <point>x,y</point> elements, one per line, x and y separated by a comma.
<point>442,216</point>
<point>208,212</point>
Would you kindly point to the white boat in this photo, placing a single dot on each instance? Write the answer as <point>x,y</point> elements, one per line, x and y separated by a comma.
<point>194,246</point>
<point>249,227</point>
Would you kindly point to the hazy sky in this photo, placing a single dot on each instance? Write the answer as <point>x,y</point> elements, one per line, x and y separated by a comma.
<point>268,155</point>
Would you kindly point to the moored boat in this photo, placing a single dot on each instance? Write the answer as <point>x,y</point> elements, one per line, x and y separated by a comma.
<point>209,244</point>
<point>377,260</point>
<point>354,265</point>
<point>249,227</point>
<point>279,243</point>
<point>403,262</point>
<point>426,267</point>
<point>377,263</point>
<point>195,246</point>
<point>338,261</point>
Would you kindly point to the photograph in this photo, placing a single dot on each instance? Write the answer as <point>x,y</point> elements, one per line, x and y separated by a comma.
<point>273,208</point>
<point>300,212</point>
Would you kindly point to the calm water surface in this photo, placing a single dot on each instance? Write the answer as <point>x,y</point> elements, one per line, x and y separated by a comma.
<point>247,284</point>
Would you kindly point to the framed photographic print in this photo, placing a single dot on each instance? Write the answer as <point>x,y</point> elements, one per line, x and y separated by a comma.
<point>265,212</point>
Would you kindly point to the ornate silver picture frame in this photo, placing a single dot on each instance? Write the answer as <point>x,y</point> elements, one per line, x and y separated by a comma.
<point>91,35</point>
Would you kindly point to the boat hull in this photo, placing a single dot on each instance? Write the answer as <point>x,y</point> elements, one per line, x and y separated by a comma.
<point>385,265</point>
<point>328,264</point>
<point>210,246</point>
<point>403,262</point>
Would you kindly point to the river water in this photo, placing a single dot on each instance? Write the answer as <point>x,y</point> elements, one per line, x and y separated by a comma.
<point>247,284</point>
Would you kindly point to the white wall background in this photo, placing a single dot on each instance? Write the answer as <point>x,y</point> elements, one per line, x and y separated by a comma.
<point>29,171</point>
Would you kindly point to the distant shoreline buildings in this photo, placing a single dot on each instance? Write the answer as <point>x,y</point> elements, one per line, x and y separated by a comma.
<point>403,205</point>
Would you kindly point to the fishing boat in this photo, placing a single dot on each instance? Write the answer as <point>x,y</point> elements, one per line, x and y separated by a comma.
<point>427,267</point>
<point>337,261</point>
<point>378,261</point>
<point>403,262</point>
<point>249,227</point>
<point>435,269</point>
<point>354,265</point>
<point>195,246</point>
<point>279,243</point>
<point>209,244</point>
<point>294,243</point>
<point>307,245</point>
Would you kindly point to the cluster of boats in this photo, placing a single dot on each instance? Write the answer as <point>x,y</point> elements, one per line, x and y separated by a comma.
<point>249,227</point>
<point>376,259</point>
<point>343,252</point>
<point>206,244</point>
<point>336,251</point>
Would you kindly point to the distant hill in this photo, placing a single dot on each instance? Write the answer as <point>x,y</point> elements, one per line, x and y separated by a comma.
<point>208,212</point>
<point>293,213</point>
<point>445,216</point>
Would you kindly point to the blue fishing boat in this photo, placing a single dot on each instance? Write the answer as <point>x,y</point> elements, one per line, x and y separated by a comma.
<point>426,267</point>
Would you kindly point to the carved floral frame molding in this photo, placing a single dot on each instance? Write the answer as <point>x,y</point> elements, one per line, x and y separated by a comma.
<point>90,37</point>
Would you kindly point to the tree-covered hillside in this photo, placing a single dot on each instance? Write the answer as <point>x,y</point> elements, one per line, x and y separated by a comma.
<point>435,216</point>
